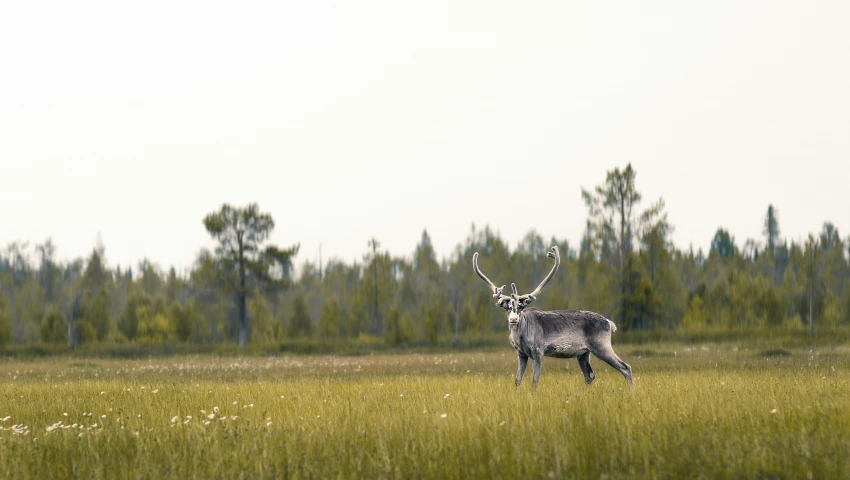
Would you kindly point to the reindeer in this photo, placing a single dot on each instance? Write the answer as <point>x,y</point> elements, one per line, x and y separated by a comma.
<point>559,333</point>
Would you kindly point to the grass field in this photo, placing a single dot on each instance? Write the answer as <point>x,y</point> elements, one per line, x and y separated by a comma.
<point>708,411</point>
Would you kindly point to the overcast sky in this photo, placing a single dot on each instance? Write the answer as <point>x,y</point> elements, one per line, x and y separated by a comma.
<point>347,120</point>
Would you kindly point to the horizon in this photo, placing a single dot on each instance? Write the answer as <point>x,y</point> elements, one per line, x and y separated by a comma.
<point>299,263</point>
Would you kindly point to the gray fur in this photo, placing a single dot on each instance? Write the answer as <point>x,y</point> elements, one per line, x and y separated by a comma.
<point>556,333</point>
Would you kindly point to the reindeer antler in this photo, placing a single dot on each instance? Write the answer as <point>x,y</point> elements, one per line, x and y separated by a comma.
<point>497,291</point>
<point>553,253</point>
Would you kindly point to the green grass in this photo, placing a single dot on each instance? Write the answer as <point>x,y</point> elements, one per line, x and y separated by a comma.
<point>709,411</point>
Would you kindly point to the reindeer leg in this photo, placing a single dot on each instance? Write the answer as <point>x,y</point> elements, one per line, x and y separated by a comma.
<point>523,362</point>
<point>536,365</point>
<point>584,364</point>
<point>607,355</point>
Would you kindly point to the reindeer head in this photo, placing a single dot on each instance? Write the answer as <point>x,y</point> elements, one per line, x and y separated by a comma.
<point>515,303</point>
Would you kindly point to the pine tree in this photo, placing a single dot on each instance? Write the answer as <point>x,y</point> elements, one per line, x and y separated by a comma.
<point>300,324</point>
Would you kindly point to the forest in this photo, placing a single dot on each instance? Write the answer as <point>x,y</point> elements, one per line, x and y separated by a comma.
<point>245,291</point>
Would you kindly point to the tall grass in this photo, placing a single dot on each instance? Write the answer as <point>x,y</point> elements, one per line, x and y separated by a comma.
<point>712,411</point>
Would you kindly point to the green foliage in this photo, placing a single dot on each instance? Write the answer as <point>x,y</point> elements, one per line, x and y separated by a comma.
<point>185,321</point>
<point>431,319</point>
<point>643,303</point>
<point>85,332</point>
<point>330,319</point>
<point>54,327</point>
<point>155,328</point>
<point>300,324</point>
<point>613,225</point>
<point>352,324</point>
<point>262,322</point>
<point>136,304</point>
<point>771,228</point>
<point>611,215</point>
<point>625,268</point>
<point>695,315</point>
<point>846,318</point>
<point>467,319</point>
<point>243,261</point>
<point>31,305</point>
<point>376,285</point>
<point>399,328</point>
<point>95,310</point>
<point>482,320</point>
<point>5,324</point>
<point>723,244</point>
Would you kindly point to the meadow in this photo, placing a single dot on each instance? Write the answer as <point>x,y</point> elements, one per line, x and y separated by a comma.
<point>699,411</point>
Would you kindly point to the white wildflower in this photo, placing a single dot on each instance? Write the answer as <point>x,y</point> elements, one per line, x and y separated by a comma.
<point>174,419</point>
<point>443,415</point>
<point>446,396</point>
<point>211,416</point>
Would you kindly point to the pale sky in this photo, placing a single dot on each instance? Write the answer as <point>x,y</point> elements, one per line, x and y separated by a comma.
<point>348,120</point>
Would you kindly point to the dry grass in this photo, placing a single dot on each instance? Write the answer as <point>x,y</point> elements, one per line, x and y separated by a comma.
<point>709,412</point>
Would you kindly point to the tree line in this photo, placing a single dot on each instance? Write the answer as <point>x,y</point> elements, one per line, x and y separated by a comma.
<point>244,291</point>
